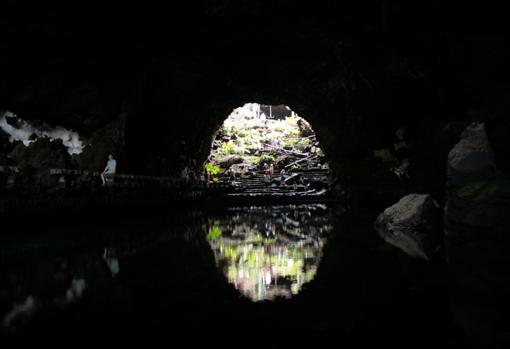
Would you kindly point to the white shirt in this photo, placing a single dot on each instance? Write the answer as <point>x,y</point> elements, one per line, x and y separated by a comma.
<point>111,166</point>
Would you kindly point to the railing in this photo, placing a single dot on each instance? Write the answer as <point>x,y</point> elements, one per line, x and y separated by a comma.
<point>61,178</point>
<point>22,191</point>
<point>52,189</point>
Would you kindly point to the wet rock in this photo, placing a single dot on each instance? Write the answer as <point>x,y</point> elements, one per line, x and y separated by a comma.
<point>477,227</point>
<point>412,225</point>
<point>478,194</point>
<point>471,157</point>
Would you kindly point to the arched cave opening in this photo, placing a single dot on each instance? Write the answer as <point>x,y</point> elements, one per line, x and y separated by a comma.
<point>409,100</point>
<point>268,149</point>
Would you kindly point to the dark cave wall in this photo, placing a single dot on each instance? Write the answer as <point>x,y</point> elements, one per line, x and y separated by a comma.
<point>152,86</point>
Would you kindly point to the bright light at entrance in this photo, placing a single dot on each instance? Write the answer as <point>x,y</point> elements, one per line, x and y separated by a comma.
<point>270,147</point>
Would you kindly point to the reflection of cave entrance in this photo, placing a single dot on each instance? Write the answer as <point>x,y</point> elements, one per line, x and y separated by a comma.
<point>263,149</point>
<point>270,252</point>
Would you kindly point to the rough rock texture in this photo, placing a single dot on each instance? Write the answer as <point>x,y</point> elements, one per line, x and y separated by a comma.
<point>472,157</point>
<point>108,139</point>
<point>477,238</point>
<point>478,193</point>
<point>356,70</point>
<point>5,148</point>
<point>412,225</point>
<point>230,160</point>
<point>38,158</point>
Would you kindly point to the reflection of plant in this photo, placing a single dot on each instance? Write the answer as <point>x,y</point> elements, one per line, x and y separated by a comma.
<point>215,231</point>
<point>257,238</point>
<point>251,264</point>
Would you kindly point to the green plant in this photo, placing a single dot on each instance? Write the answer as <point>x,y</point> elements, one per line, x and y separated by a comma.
<point>228,147</point>
<point>215,231</point>
<point>264,158</point>
<point>212,171</point>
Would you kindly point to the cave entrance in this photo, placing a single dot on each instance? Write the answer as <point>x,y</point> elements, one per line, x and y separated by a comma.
<point>268,149</point>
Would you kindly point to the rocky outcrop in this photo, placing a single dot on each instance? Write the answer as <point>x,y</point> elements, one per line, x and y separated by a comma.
<point>477,227</point>
<point>109,139</point>
<point>38,158</point>
<point>230,160</point>
<point>5,148</point>
<point>478,195</point>
<point>412,225</point>
<point>471,157</point>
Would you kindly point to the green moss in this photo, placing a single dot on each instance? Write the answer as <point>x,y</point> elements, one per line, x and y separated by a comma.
<point>478,190</point>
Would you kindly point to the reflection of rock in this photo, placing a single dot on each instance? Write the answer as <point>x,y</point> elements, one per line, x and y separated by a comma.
<point>20,311</point>
<point>269,254</point>
<point>411,225</point>
<point>75,291</point>
<point>477,223</point>
<point>112,261</point>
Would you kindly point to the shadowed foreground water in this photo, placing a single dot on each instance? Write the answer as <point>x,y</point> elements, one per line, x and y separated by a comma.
<point>294,270</point>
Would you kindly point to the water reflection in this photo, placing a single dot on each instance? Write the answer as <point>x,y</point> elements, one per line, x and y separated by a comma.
<point>270,252</point>
<point>265,252</point>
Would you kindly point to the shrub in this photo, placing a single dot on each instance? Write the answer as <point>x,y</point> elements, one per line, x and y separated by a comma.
<point>212,171</point>
<point>228,147</point>
<point>265,158</point>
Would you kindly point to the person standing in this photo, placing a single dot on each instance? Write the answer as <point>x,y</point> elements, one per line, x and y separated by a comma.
<point>109,171</point>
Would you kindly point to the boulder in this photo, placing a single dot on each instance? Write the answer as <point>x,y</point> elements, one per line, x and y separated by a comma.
<point>229,160</point>
<point>478,194</point>
<point>471,157</point>
<point>477,240</point>
<point>412,225</point>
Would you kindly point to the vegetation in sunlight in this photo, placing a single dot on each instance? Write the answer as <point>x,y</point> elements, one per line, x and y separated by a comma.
<point>258,140</point>
<point>271,257</point>
<point>212,171</point>
<point>214,231</point>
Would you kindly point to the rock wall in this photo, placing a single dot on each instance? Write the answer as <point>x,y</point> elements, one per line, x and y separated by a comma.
<point>357,70</point>
<point>477,238</point>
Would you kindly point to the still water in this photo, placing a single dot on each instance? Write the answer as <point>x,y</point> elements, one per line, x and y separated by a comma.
<point>270,252</point>
<point>292,267</point>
